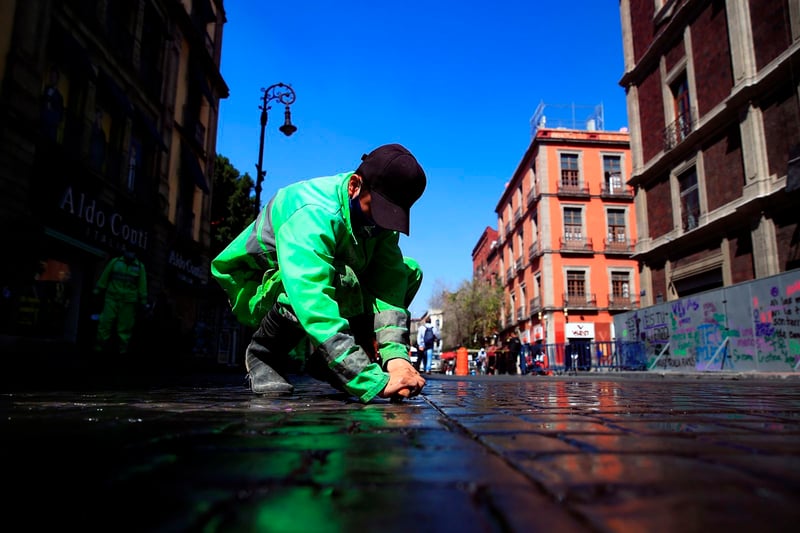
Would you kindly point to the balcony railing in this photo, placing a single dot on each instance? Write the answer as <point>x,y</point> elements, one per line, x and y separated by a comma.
<point>509,274</point>
<point>510,320</point>
<point>580,301</point>
<point>575,191</point>
<point>535,305</point>
<point>517,216</point>
<point>575,244</point>
<point>621,192</point>
<point>677,131</point>
<point>518,264</point>
<point>618,246</point>
<point>521,313</point>
<point>533,250</point>
<point>532,196</point>
<point>622,302</point>
<point>690,219</point>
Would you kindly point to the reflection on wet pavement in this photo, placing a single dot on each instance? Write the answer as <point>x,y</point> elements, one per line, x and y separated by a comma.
<point>469,455</point>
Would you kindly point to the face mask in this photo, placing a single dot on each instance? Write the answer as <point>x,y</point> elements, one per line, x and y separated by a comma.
<point>358,217</point>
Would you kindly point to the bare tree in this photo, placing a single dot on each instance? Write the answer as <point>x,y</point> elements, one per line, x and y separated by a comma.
<point>470,313</point>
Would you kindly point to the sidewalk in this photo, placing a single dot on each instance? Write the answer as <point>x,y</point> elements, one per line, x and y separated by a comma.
<point>476,453</point>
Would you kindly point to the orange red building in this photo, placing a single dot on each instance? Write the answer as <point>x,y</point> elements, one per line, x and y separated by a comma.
<point>566,233</point>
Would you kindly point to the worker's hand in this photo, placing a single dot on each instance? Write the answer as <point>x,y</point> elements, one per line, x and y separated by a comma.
<point>404,380</point>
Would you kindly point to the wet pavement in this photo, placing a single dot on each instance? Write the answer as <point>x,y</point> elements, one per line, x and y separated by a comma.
<point>611,453</point>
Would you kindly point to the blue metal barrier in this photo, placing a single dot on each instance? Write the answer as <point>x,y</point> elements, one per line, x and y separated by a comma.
<point>596,356</point>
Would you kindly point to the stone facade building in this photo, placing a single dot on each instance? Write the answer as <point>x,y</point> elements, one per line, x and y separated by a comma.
<point>712,91</point>
<point>108,120</point>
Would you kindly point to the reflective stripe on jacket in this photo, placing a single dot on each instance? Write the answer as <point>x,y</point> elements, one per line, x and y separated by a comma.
<point>123,281</point>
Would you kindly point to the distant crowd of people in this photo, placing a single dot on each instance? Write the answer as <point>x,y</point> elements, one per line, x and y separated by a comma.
<point>512,357</point>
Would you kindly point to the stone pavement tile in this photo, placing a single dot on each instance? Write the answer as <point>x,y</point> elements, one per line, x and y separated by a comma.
<point>620,443</point>
<point>660,424</point>
<point>759,443</point>
<point>559,471</point>
<point>771,425</point>
<point>555,425</point>
<point>691,510</point>
<point>530,444</point>
<point>780,469</point>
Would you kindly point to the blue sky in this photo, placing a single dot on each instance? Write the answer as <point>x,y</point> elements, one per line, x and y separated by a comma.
<point>456,82</point>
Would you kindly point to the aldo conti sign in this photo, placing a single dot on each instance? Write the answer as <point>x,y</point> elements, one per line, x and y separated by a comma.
<point>86,217</point>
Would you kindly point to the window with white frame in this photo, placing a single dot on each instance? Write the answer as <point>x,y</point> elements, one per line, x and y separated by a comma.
<point>612,174</point>
<point>617,229</point>
<point>573,224</point>
<point>576,284</point>
<point>689,199</point>
<point>620,286</point>
<point>570,175</point>
<point>682,107</point>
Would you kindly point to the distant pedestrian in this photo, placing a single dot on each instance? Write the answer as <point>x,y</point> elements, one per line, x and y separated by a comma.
<point>525,360</point>
<point>514,349</point>
<point>427,337</point>
<point>480,361</point>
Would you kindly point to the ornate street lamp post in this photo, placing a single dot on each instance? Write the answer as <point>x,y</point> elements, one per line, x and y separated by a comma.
<point>285,95</point>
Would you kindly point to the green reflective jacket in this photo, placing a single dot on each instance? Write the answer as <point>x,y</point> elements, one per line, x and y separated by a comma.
<point>303,251</point>
<point>123,281</point>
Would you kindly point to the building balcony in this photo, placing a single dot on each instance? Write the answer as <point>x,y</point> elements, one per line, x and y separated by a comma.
<point>534,251</point>
<point>575,245</point>
<point>616,192</point>
<point>622,303</point>
<point>510,320</point>
<point>618,246</point>
<point>573,191</point>
<point>535,305</point>
<point>580,301</point>
<point>521,314</point>
<point>517,216</point>
<point>519,264</point>
<point>690,219</point>
<point>533,196</point>
<point>509,275</point>
<point>676,132</point>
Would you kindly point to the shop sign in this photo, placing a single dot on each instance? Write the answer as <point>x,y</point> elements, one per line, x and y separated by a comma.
<point>100,223</point>
<point>579,330</point>
<point>189,270</point>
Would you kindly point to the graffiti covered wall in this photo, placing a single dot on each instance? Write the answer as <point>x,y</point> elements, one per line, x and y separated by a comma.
<point>753,326</point>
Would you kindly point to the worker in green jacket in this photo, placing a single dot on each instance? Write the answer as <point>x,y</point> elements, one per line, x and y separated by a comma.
<point>322,261</point>
<point>123,285</point>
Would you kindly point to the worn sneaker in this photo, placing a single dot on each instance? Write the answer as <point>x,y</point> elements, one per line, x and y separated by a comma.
<point>264,379</point>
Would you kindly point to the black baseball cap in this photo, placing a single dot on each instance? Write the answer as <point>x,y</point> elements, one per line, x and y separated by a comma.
<point>396,180</point>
